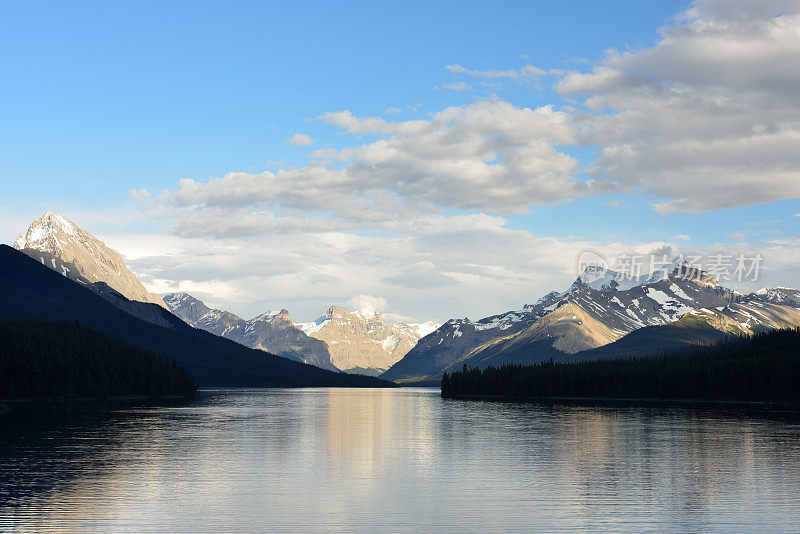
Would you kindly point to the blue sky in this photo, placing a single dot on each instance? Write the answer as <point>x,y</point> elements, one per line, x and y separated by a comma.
<point>102,99</point>
<point>105,97</point>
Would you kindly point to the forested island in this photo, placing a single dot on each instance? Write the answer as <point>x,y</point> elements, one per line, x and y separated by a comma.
<point>762,367</point>
<point>66,360</point>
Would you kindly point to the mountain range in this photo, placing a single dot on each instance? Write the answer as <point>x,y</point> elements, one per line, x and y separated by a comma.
<point>31,290</point>
<point>355,342</point>
<point>602,314</point>
<point>362,342</point>
<point>272,331</point>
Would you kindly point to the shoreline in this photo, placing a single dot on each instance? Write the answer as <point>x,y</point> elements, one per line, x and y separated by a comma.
<point>53,404</point>
<point>792,406</point>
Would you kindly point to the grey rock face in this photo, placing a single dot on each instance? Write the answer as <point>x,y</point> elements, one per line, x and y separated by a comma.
<point>90,258</point>
<point>146,311</point>
<point>272,331</point>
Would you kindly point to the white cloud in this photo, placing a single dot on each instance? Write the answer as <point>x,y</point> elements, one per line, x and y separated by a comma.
<point>299,139</point>
<point>393,111</point>
<point>487,157</point>
<point>527,71</point>
<point>705,119</point>
<point>367,304</point>
<point>473,266</point>
<point>414,210</point>
<point>456,86</point>
<point>434,267</point>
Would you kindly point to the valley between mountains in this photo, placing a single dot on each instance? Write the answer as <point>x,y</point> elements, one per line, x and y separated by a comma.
<point>602,314</point>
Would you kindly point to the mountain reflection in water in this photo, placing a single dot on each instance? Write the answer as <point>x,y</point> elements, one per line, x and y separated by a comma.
<point>397,460</point>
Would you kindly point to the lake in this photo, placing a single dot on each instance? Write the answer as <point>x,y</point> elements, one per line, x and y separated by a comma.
<point>350,460</point>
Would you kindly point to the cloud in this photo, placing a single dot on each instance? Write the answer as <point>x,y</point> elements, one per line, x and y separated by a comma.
<point>489,157</point>
<point>527,71</point>
<point>456,86</point>
<point>299,139</point>
<point>705,119</point>
<point>742,235</point>
<point>140,195</point>
<point>417,210</point>
<point>393,111</point>
<point>439,267</point>
<point>434,267</point>
<point>367,304</point>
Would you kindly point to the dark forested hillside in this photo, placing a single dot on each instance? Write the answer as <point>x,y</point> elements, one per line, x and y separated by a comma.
<point>62,359</point>
<point>680,336</point>
<point>31,290</point>
<point>764,367</point>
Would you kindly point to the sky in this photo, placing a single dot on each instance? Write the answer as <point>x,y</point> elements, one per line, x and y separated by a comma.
<point>429,160</point>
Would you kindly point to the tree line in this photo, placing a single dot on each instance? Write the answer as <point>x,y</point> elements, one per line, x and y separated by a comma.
<point>762,367</point>
<point>42,358</point>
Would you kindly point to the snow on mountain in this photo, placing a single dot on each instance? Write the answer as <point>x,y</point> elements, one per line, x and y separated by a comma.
<point>268,315</point>
<point>778,295</point>
<point>423,329</point>
<point>271,331</point>
<point>315,326</point>
<point>52,238</point>
<point>362,342</point>
<point>600,307</point>
<point>602,279</point>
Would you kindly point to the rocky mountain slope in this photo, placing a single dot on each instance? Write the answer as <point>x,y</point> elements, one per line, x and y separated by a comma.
<point>150,312</point>
<point>31,290</point>
<point>363,342</point>
<point>598,309</point>
<point>77,254</point>
<point>272,331</point>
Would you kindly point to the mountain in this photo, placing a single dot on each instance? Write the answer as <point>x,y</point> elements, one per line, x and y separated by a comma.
<point>31,290</point>
<point>362,342</point>
<point>598,309</point>
<point>448,343</point>
<point>272,331</point>
<point>150,312</point>
<point>77,254</point>
<point>699,327</point>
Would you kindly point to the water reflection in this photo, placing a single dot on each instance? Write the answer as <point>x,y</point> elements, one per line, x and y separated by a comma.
<point>400,460</point>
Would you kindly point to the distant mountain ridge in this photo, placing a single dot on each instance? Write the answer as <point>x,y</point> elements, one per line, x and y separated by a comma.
<point>62,246</point>
<point>31,290</point>
<point>272,331</point>
<point>354,342</point>
<point>598,309</point>
<point>362,341</point>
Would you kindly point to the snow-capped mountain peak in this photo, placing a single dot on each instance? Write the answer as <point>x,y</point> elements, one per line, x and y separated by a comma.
<point>423,329</point>
<point>53,236</point>
<point>271,331</point>
<point>48,232</point>
<point>602,279</point>
<point>362,341</point>
<point>269,315</point>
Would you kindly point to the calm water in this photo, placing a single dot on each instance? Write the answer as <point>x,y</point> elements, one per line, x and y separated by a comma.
<point>398,460</point>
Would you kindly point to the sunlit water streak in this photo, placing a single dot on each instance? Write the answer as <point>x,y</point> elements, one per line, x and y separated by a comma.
<point>398,460</point>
